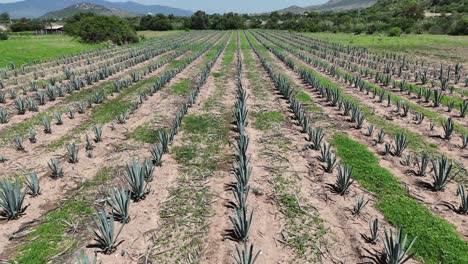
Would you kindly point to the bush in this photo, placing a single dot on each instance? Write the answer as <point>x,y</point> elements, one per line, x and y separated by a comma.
<point>394,32</point>
<point>3,36</point>
<point>94,29</point>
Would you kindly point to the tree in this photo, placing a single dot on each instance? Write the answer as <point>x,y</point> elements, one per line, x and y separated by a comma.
<point>4,16</point>
<point>199,20</point>
<point>94,29</point>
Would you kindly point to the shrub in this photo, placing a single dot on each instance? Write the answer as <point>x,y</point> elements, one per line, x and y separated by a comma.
<point>394,32</point>
<point>3,36</point>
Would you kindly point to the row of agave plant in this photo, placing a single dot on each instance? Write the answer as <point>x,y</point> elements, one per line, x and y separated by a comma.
<point>138,176</point>
<point>242,219</point>
<point>89,61</point>
<point>442,167</point>
<point>448,125</point>
<point>12,197</point>
<point>398,66</point>
<point>55,90</point>
<point>424,95</point>
<point>396,250</point>
<point>98,98</point>
<point>358,79</point>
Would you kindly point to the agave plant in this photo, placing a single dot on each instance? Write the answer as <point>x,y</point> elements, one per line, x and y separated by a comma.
<point>421,165</point>
<point>241,225</point>
<point>97,134</point>
<point>32,135</point>
<point>71,112</point>
<point>11,199</point>
<point>157,153</point>
<point>463,209</point>
<point>3,116</point>
<point>374,232</point>
<point>246,255</point>
<point>401,143</point>
<point>343,179</point>
<point>370,130</point>
<point>163,139</point>
<point>82,258</point>
<point>58,118</point>
<point>72,153</point>
<point>395,248</point>
<point>359,205</point>
<point>148,170</point>
<point>47,125</point>
<point>57,170</point>
<point>119,201</point>
<point>103,232</point>
<point>464,138</point>
<point>448,126</point>
<point>18,140</point>
<point>315,137</point>
<point>240,192</point>
<point>32,181</point>
<point>20,105</point>
<point>441,172</point>
<point>381,137</point>
<point>135,176</point>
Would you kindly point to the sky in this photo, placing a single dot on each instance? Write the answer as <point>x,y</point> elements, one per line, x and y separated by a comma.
<point>222,6</point>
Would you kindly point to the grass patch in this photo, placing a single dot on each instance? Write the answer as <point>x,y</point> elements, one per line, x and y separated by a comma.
<point>268,120</point>
<point>50,237</point>
<point>438,241</point>
<point>145,134</point>
<point>303,97</point>
<point>181,87</point>
<point>216,74</point>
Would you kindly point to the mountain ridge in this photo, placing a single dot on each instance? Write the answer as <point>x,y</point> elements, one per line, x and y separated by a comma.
<point>38,8</point>
<point>331,5</point>
<point>87,7</point>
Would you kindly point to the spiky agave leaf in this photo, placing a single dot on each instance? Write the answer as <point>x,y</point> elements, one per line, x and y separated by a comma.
<point>463,209</point>
<point>441,172</point>
<point>119,201</point>
<point>57,171</point>
<point>240,224</point>
<point>82,258</point>
<point>246,255</point>
<point>135,177</point>
<point>72,153</point>
<point>103,232</point>
<point>157,153</point>
<point>359,205</point>
<point>11,199</point>
<point>395,247</point>
<point>343,179</point>
<point>32,181</point>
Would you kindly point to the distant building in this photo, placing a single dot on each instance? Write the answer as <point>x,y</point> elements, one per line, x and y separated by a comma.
<point>51,30</point>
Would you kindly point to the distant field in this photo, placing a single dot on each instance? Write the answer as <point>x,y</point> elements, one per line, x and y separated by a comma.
<point>153,34</point>
<point>22,50</point>
<point>451,48</point>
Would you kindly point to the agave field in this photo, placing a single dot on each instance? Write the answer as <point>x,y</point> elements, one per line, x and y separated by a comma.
<point>234,147</point>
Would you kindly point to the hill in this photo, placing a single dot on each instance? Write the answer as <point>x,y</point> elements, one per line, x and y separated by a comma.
<point>38,8</point>
<point>90,8</point>
<point>331,5</point>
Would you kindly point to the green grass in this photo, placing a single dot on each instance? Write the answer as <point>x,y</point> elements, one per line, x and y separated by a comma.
<point>438,241</point>
<point>181,87</point>
<point>303,97</point>
<point>51,236</point>
<point>145,134</point>
<point>437,46</point>
<point>216,74</point>
<point>23,50</point>
<point>268,120</point>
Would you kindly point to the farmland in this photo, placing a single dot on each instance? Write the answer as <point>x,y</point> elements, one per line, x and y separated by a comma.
<point>255,146</point>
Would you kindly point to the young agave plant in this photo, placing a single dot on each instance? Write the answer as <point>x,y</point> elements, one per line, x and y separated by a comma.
<point>370,130</point>
<point>58,118</point>
<point>18,140</point>
<point>119,201</point>
<point>32,135</point>
<point>135,176</point>
<point>57,171</point>
<point>72,153</point>
<point>374,232</point>
<point>448,126</point>
<point>81,107</point>
<point>246,255</point>
<point>47,125</point>
<point>97,134</point>
<point>103,231</point>
<point>359,205</point>
<point>157,153</point>
<point>163,139</point>
<point>464,138</point>
<point>400,144</point>
<point>71,112</point>
<point>421,165</point>
<point>343,179</point>
<point>315,137</point>
<point>381,137</point>
<point>3,116</point>
<point>395,248</point>
<point>89,143</point>
<point>241,225</point>
<point>441,172</point>
<point>32,181</point>
<point>148,170</point>
<point>82,258</point>
<point>11,199</point>
<point>463,209</point>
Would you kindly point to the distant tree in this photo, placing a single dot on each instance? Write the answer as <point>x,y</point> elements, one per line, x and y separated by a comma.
<point>394,32</point>
<point>199,20</point>
<point>4,16</point>
<point>3,36</point>
<point>158,22</point>
<point>94,29</point>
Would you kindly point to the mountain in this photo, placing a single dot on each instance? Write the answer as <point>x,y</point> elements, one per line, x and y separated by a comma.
<point>38,8</point>
<point>331,5</point>
<point>89,8</point>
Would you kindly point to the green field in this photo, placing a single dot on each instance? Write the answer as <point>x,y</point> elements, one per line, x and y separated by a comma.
<point>433,46</point>
<point>22,50</point>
